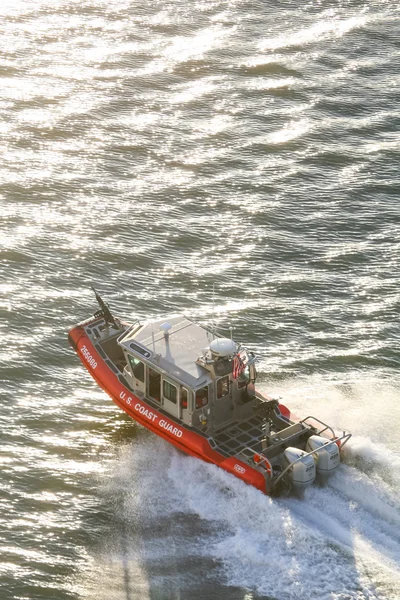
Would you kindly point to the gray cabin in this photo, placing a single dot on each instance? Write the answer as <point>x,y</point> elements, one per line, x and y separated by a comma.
<point>189,372</point>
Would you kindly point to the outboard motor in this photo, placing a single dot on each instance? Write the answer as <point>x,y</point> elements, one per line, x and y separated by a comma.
<point>302,473</point>
<point>327,457</point>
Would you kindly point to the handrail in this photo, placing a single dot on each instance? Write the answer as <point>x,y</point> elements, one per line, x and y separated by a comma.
<point>321,422</point>
<point>262,456</point>
<point>345,437</point>
<point>125,333</point>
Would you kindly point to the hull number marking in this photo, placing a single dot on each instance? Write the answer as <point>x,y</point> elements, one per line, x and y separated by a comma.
<point>89,358</point>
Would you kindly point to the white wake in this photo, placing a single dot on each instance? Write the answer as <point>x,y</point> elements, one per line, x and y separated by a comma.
<point>341,542</point>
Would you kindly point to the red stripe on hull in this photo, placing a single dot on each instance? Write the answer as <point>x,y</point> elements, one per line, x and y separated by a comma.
<point>177,434</point>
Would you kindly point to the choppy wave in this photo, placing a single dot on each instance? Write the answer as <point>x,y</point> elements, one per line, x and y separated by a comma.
<point>161,150</point>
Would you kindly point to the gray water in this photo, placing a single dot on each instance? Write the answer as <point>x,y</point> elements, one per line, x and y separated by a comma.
<point>155,150</point>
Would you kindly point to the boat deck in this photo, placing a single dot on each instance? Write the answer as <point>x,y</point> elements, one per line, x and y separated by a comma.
<point>241,438</point>
<point>256,436</point>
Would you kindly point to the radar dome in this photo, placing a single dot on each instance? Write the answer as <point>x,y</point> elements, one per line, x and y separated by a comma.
<point>223,347</point>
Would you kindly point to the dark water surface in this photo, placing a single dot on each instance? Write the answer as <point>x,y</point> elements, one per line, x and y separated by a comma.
<point>155,149</point>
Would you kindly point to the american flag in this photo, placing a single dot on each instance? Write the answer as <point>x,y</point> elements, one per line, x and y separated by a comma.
<point>239,364</point>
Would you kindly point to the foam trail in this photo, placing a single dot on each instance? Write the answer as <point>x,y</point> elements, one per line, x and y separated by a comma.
<point>319,547</point>
<point>341,542</point>
<point>373,457</point>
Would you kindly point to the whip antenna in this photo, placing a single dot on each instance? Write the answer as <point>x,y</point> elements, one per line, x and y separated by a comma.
<point>213,311</point>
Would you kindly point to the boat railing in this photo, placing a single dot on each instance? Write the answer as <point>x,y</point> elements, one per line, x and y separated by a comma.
<point>127,331</point>
<point>260,455</point>
<point>326,427</point>
<point>342,440</point>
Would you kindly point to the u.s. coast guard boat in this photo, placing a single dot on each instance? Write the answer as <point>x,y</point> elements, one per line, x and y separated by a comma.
<point>196,390</point>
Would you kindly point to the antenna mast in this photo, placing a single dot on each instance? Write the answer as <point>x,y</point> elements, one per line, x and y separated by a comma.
<point>213,311</point>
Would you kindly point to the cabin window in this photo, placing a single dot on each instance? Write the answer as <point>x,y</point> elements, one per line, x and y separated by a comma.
<point>154,384</point>
<point>184,398</point>
<point>248,375</point>
<point>202,397</point>
<point>169,391</point>
<point>244,378</point>
<point>137,368</point>
<point>222,387</point>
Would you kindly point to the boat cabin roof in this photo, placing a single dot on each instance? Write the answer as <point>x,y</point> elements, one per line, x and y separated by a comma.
<point>171,346</point>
